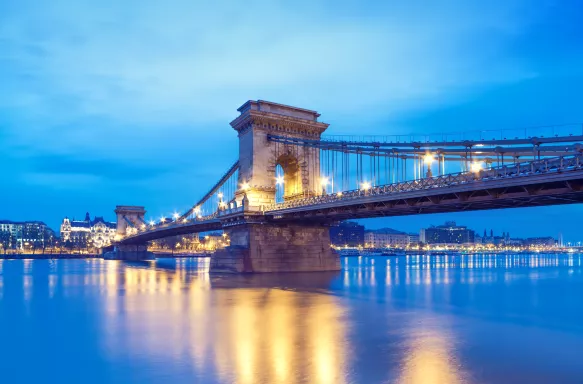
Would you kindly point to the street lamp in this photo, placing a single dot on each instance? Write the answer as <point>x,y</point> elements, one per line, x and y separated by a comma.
<point>476,167</point>
<point>428,158</point>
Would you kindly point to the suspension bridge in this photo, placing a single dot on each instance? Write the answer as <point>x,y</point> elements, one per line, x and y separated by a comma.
<point>289,183</point>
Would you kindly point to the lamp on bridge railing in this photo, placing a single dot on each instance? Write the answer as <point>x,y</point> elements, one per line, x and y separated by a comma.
<point>176,216</point>
<point>220,195</point>
<point>428,160</point>
<point>162,220</point>
<point>324,181</point>
<point>365,186</point>
<point>476,167</point>
<point>152,223</point>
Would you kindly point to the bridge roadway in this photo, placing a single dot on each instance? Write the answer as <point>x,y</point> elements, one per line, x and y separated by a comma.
<point>513,192</point>
<point>552,181</point>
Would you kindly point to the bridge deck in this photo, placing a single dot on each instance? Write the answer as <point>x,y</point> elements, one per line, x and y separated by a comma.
<point>546,182</point>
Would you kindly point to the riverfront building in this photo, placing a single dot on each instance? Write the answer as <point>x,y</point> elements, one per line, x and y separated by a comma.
<point>540,242</point>
<point>386,237</point>
<point>85,233</point>
<point>448,233</point>
<point>25,234</point>
<point>348,233</point>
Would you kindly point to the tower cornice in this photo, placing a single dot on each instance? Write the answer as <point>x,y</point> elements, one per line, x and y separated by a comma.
<point>278,119</point>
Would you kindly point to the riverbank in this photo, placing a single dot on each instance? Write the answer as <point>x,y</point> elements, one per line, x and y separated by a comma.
<point>40,256</point>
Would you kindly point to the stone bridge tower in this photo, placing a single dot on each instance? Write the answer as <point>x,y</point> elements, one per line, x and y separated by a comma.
<point>258,157</point>
<point>257,245</point>
<point>129,219</point>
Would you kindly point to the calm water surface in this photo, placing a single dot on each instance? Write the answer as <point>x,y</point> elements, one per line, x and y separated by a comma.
<point>470,319</point>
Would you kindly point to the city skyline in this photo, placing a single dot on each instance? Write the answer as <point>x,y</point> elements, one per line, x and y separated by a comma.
<point>381,224</point>
<point>93,118</point>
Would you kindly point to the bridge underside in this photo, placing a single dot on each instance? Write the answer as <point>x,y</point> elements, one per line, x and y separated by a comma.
<point>173,230</point>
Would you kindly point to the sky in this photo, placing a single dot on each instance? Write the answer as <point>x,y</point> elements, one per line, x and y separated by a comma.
<point>109,103</point>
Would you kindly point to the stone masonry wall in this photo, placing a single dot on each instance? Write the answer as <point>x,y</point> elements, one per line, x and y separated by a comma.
<point>276,248</point>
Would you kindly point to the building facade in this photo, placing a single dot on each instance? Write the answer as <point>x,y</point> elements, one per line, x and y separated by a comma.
<point>348,233</point>
<point>96,233</point>
<point>386,237</point>
<point>25,235</point>
<point>413,238</point>
<point>540,242</point>
<point>448,233</point>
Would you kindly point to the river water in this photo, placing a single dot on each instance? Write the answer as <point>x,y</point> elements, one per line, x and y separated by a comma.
<point>414,319</point>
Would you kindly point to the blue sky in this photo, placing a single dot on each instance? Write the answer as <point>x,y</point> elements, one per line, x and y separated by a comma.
<point>106,103</point>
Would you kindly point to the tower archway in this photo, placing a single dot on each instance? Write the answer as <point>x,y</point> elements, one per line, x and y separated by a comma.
<point>288,177</point>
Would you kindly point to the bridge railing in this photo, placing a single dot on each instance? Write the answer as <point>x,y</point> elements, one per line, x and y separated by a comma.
<point>199,219</point>
<point>547,165</point>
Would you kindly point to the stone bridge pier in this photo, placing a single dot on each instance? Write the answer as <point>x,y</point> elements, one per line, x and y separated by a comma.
<point>268,247</point>
<point>131,252</point>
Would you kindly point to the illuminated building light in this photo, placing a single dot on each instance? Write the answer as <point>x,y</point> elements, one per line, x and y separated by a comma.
<point>245,186</point>
<point>279,180</point>
<point>324,181</point>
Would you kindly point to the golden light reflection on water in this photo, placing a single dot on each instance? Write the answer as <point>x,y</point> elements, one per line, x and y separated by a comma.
<point>430,359</point>
<point>253,333</point>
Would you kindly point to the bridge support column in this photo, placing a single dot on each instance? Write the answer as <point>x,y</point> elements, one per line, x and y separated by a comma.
<point>130,253</point>
<point>263,248</point>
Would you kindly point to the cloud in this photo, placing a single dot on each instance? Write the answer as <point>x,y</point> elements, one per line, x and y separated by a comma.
<point>188,63</point>
<point>104,169</point>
